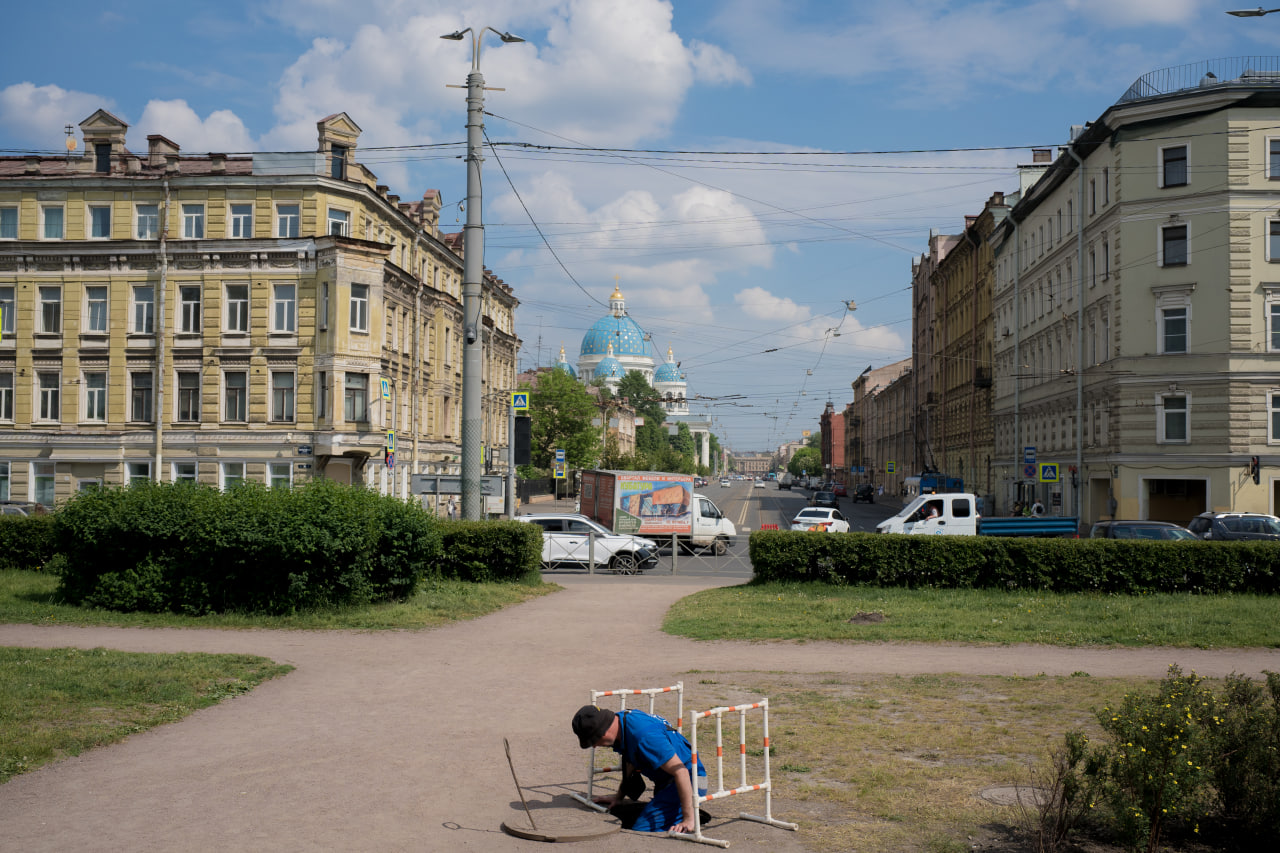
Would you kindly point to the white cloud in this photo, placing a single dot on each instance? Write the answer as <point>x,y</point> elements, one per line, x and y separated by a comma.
<point>221,131</point>
<point>763,305</point>
<point>1132,13</point>
<point>37,115</point>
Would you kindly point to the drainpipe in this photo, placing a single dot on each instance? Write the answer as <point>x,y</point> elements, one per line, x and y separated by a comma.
<point>1017,349</point>
<point>416,376</point>
<point>1075,491</point>
<point>973,343</point>
<point>159,320</point>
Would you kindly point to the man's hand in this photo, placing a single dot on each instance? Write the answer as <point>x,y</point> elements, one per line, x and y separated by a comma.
<point>609,800</point>
<point>685,825</point>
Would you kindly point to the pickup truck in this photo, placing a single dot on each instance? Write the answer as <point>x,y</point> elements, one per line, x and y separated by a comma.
<point>956,514</point>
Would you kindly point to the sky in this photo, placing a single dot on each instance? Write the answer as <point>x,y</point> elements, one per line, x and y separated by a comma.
<point>757,176</point>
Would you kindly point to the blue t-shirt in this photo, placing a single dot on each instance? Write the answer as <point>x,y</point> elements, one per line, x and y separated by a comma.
<point>647,742</point>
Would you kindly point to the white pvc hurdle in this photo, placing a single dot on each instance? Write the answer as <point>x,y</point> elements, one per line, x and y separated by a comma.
<point>744,787</point>
<point>653,693</point>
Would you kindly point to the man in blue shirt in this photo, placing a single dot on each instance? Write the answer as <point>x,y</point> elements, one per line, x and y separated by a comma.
<point>648,744</point>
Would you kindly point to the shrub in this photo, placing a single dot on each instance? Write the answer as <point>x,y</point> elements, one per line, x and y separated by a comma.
<point>490,551</point>
<point>26,542</point>
<point>1244,731</point>
<point>190,549</point>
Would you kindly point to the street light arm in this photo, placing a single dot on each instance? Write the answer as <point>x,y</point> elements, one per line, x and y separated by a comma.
<point>1251,13</point>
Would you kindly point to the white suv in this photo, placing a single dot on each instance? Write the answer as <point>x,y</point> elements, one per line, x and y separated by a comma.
<point>566,541</point>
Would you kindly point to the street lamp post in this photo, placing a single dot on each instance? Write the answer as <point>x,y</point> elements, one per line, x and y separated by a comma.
<point>472,276</point>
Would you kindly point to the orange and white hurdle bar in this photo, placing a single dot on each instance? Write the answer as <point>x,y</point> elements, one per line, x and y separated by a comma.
<point>744,787</point>
<point>596,695</point>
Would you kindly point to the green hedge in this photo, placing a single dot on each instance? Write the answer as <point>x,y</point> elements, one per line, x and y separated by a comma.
<point>491,551</point>
<point>26,542</point>
<point>1063,565</point>
<point>191,549</point>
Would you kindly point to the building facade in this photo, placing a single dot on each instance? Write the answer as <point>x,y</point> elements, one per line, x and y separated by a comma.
<point>219,319</point>
<point>1137,283</point>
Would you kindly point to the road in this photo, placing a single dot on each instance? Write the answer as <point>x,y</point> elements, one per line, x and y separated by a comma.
<point>749,509</point>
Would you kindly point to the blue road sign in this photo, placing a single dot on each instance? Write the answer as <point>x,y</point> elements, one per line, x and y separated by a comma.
<point>1049,472</point>
<point>520,401</point>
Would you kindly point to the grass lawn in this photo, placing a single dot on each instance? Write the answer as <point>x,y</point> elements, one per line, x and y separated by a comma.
<point>873,614</point>
<point>60,702</point>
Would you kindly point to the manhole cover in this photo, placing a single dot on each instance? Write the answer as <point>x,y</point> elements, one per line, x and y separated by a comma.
<point>562,825</point>
<point>1010,795</point>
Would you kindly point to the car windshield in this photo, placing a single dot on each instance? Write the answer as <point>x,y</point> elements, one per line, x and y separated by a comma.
<point>813,513</point>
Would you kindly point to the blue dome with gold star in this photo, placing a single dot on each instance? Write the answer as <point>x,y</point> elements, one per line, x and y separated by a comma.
<point>563,364</point>
<point>617,329</point>
<point>667,373</point>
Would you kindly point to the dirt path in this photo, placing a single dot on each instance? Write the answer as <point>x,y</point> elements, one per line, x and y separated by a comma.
<point>393,741</point>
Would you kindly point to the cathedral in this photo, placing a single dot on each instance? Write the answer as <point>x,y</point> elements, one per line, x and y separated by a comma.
<point>615,345</point>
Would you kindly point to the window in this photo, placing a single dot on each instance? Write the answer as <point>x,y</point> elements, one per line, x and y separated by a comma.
<point>236,405</point>
<point>51,225</point>
<point>193,221</point>
<point>144,309</point>
<point>95,396</point>
<point>4,481</point>
<point>137,472</point>
<point>241,221</point>
<point>237,307</point>
<point>1273,159</point>
<point>100,221</point>
<point>1106,185</point>
<point>1273,240</point>
<point>339,222</point>
<point>338,163</point>
<point>188,395</point>
<point>43,476</point>
<point>184,472</point>
<point>1173,246</point>
<point>282,395</point>
<point>359,308</point>
<point>1093,196</point>
<point>283,305</point>
<point>232,474</point>
<point>8,223</point>
<point>140,388</point>
<point>148,221</point>
<point>288,218</point>
<point>49,386</point>
<point>95,320</point>
<point>1172,426</point>
<point>6,312</point>
<point>1173,329</point>
<point>51,310</point>
<point>355,397</point>
<point>1173,166</point>
<point>6,395</point>
<point>280,475</point>
<point>1273,417</point>
<point>1106,259</point>
<point>1093,268</point>
<point>322,410</point>
<point>323,319</point>
<point>189,309</point>
<point>1273,325</point>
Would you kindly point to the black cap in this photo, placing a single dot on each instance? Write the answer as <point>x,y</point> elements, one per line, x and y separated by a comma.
<point>590,724</point>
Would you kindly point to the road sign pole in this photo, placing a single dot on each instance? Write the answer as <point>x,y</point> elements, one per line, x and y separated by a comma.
<point>511,461</point>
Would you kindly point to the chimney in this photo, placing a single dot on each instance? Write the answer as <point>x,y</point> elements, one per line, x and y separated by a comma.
<point>218,164</point>
<point>171,166</point>
<point>1041,155</point>
<point>33,165</point>
<point>158,148</point>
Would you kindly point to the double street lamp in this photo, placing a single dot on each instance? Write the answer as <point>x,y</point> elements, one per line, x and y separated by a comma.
<point>472,278</point>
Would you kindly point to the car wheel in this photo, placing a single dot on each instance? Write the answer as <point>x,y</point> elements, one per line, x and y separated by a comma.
<point>624,564</point>
<point>720,548</point>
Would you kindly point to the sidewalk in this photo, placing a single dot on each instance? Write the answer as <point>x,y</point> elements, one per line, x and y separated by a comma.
<point>387,741</point>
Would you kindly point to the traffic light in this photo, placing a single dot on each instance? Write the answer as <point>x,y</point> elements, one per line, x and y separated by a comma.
<point>1255,468</point>
<point>524,441</point>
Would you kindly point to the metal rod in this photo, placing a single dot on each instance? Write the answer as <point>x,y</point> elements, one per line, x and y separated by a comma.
<point>519,790</point>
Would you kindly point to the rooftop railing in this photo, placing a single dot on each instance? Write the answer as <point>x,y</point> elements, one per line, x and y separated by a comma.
<point>1231,72</point>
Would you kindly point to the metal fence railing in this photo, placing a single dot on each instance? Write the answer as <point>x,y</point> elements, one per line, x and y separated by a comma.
<point>1228,72</point>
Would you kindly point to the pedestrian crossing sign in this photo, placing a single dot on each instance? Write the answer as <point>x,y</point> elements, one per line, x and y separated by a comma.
<point>520,401</point>
<point>1049,472</point>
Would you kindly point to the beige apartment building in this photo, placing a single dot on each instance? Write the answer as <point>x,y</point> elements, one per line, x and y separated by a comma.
<point>1137,300</point>
<point>271,317</point>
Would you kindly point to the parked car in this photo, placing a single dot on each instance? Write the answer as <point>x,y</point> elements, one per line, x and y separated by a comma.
<point>565,542</point>
<point>1231,526</point>
<point>820,518</point>
<point>864,492</point>
<point>1139,530</point>
<point>22,508</point>
<point>824,499</point>
<point>840,490</point>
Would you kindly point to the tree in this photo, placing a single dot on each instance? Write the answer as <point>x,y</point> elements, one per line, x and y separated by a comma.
<point>651,439</point>
<point>562,411</point>
<point>808,460</point>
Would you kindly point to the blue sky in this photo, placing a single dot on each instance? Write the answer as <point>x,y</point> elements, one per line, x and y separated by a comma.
<point>741,259</point>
